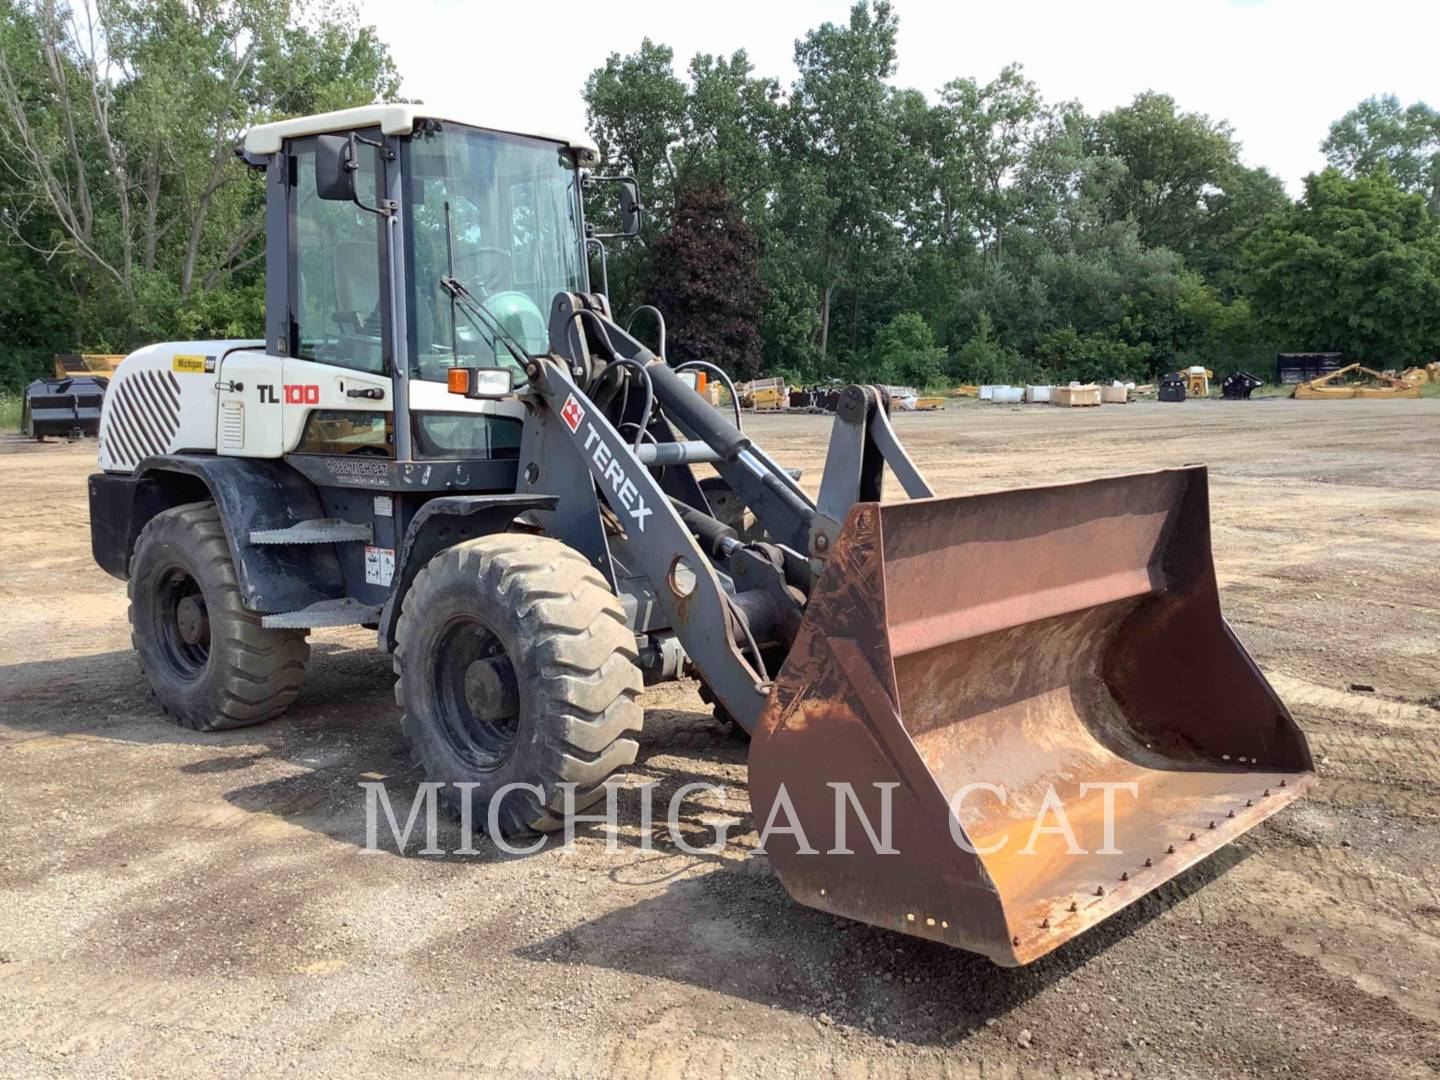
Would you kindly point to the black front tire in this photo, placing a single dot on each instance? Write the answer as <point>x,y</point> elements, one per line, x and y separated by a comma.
<point>516,666</point>
<point>209,660</point>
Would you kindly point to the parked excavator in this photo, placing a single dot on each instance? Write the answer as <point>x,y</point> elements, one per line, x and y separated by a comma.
<point>445,435</point>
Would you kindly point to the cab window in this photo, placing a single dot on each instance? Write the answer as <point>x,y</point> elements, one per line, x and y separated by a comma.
<point>497,213</point>
<point>338,295</point>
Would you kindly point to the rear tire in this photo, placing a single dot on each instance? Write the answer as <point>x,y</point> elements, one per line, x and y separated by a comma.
<point>516,665</point>
<point>210,662</point>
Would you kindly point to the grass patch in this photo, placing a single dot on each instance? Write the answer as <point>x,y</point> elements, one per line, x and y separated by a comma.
<point>11,406</point>
<point>1430,389</point>
<point>1271,390</point>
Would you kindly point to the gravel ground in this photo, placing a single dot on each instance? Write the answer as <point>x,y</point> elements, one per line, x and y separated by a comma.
<point>174,903</point>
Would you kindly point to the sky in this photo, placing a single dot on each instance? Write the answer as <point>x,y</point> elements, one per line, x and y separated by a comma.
<point>1280,71</point>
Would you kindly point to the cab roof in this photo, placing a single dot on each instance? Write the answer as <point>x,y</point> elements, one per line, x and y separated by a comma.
<point>397,119</point>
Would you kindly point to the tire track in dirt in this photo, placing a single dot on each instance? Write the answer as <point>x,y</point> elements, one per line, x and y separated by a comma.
<point>1318,912</point>
<point>1356,706</point>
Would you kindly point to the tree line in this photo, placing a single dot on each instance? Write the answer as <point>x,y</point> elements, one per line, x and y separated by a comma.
<point>991,235</point>
<point>125,217</point>
<point>838,227</point>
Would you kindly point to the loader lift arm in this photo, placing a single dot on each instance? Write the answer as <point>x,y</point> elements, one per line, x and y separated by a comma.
<point>723,597</point>
<point>710,622</point>
<point>934,643</point>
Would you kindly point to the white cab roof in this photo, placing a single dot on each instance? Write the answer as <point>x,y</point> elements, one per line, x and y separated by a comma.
<point>392,120</point>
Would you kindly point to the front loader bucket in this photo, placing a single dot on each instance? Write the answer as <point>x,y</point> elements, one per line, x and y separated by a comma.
<point>993,658</point>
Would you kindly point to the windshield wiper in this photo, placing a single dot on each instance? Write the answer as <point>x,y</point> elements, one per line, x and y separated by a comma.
<point>482,318</point>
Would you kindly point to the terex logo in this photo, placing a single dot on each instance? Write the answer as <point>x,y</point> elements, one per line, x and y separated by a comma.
<point>572,414</point>
<point>614,474</point>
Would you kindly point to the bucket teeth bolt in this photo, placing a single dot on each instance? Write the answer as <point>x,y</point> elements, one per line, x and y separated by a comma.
<point>1015,940</point>
<point>1282,783</point>
<point>1074,906</point>
<point>1192,836</point>
<point>1149,863</point>
<point>1044,924</point>
<point>1230,814</point>
<point>1099,890</point>
<point>1212,824</point>
<point>1266,792</point>
<point>1249,802</point>
<point>1125,875</point>
<point>1170,850</point>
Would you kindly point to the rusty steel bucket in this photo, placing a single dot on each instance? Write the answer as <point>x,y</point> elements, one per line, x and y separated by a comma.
<point>1040,641</point>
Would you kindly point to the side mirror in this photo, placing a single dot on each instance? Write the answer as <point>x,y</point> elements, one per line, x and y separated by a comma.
<point>630,208</point>
<point>335,167</point>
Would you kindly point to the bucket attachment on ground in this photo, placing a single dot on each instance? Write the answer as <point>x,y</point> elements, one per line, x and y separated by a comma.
<point>993,658</point>
<point>66,406</point>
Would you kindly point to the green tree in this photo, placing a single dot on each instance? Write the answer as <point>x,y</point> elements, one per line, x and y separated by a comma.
<point>1169,160</point>
<point>905,352</point>
<point>1354,266</point>
<point>635,107</point>
<point>987,133</point>
<point>842,147</point>
<point>983,360</point>
<point>732,120</point>
<point>117,129</point>
<point>1066,356</point>
<point>1233,211</point>
<point>1380,132</point>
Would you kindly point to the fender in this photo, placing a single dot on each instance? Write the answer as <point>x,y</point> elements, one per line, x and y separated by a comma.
<point>444,522</point>
<point>250,494</point>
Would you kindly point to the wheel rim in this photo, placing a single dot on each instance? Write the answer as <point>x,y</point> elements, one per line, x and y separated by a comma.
<point>184,623</point>
<point>476,693</point>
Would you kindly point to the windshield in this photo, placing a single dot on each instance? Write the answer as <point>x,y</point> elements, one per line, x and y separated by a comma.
<point>502,211</point>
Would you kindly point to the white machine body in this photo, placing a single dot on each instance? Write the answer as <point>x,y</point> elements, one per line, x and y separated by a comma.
<point>233,398</point>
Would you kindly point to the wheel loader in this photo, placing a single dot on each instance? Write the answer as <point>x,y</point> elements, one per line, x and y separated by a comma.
<point>446,435</point>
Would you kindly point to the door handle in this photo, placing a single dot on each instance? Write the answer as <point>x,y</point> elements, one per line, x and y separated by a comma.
<point>374,393</point>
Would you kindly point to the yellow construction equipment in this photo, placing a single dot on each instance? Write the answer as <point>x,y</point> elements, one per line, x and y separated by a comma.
<point>70,364</point>
<point>764,395</point>
<point>1377,385</point>
<point>1198,381</point>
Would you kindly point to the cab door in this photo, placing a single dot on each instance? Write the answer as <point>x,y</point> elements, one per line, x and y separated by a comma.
<point>335,392</point>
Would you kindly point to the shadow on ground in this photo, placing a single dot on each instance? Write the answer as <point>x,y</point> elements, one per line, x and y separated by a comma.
<point>735,931</point>
<point>723,922</point>
<point>343,730</point>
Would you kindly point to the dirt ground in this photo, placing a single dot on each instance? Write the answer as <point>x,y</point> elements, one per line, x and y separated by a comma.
<point>177,903</point>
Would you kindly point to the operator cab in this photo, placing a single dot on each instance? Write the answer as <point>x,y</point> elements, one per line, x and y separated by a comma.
<point>401,243</point>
